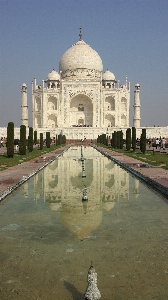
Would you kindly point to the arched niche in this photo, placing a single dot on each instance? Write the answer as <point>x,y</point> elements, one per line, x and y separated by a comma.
<point>81,111</point>
<point>123,104</point>
<point>52,121</point>
<point>123,121</point>
<point>52,103</point>
<point>110,103</point>
<point>109,120</point>
<point>37,121</point>
<point>37,104</point>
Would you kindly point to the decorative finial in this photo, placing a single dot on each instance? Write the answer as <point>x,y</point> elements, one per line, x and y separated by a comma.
<point>80,34</point>
<point>92,291</point>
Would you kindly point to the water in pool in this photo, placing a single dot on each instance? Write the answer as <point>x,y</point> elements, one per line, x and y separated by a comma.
<point>49,236</point>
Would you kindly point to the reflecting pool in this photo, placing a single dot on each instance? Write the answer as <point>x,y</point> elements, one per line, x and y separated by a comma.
<point>49,236</point>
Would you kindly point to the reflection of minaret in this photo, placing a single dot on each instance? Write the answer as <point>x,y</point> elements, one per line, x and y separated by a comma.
<point>136,187</point>
<point>24,105</point>
<point>136,121</point>
<point>25,189</point>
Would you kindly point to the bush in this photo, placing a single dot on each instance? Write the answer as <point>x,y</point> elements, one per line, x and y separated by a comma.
<point>10,139</point>
<point>128,139</point>
<point>35,137</point>
<point>22,145</point>
<point>41,141</point>
<point>143,141</point>
<point>133,138</point>
<point>30,139</point>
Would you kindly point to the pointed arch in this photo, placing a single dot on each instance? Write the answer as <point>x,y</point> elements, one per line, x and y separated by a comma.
<point>81,111</point>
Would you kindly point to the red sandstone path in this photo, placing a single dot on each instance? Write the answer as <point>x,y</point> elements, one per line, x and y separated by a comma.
<point>14,175</point>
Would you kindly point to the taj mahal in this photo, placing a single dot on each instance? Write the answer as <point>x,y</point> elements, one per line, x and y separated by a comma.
<point>81,100</point>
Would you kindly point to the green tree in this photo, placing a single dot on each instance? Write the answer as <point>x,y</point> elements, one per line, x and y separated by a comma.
<point>143,141</point>
<point>41,141</point>
<point>48,139</point>
<point>128,139</point>
<point>115,139</point>
<point>30,139</point>
<point>118,139</point>
<point>133,138</point>
<point>35,137</point>
<point>10,139</point>
<point>22,145</point>
<point>121,139</point>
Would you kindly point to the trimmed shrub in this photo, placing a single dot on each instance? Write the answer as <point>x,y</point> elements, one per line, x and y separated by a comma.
<point>118,139</point>
<point>22,145</point>
<point>35,137</point>
<point>30,139</point>
<point>10,139</point>
<point>143,141</point>
<point>41,141</point>
<point>48,139</point>
<point>121,139</point>
<point>128,139</point>
<point>133,138</point>
<point>115,139</point>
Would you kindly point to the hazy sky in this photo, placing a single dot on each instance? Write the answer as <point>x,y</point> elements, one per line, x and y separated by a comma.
<point>131,37</point>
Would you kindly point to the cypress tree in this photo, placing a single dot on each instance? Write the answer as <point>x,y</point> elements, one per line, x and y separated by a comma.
<point>106,141</point>
<point>56,140</point>
<point>35,137</point>
<point>10,139</point>
<point>30,139</point>
<point>48,139</point>
<point>115,139</point>
<point>118,139</point>
<point>133,138</point>
<point>64,139</point>
<point>121,139</point>
<point>112,140</point>
<point>41,141</point>
<point>22,145</point>
<point>128,139</point>
<point>143,141</point>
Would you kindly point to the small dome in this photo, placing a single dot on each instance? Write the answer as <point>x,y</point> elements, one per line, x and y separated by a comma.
<point>53,75</point>
<point>108,75</point>
<point>24,84</point>
<point>80,56</point>
<point>137,85</point>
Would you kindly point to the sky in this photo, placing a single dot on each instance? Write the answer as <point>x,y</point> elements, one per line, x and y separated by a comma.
<point>131,37</point>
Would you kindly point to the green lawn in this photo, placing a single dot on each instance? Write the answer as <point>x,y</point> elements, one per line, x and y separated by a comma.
<point>150,157</point>
<point>6,162</point>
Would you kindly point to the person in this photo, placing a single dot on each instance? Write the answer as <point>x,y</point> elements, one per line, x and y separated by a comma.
<point>2,142</point>
<point>160,142</point>
<point>163,143</point>
<point>150,141</point>
<point>157,143</point>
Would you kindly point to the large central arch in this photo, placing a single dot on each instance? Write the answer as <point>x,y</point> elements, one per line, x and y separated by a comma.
<point>81,111</point>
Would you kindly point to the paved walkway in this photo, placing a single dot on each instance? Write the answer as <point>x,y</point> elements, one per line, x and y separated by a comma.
<point>14,175</point>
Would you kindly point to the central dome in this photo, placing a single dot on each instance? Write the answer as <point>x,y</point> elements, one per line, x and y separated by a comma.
<point>80,56</point>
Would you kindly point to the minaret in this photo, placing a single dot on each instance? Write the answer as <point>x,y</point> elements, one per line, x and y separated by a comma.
<point>136,120</point>
<point>24,105</point>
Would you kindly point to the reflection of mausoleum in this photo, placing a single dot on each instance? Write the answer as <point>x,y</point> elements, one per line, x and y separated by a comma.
<point>61,185</point>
